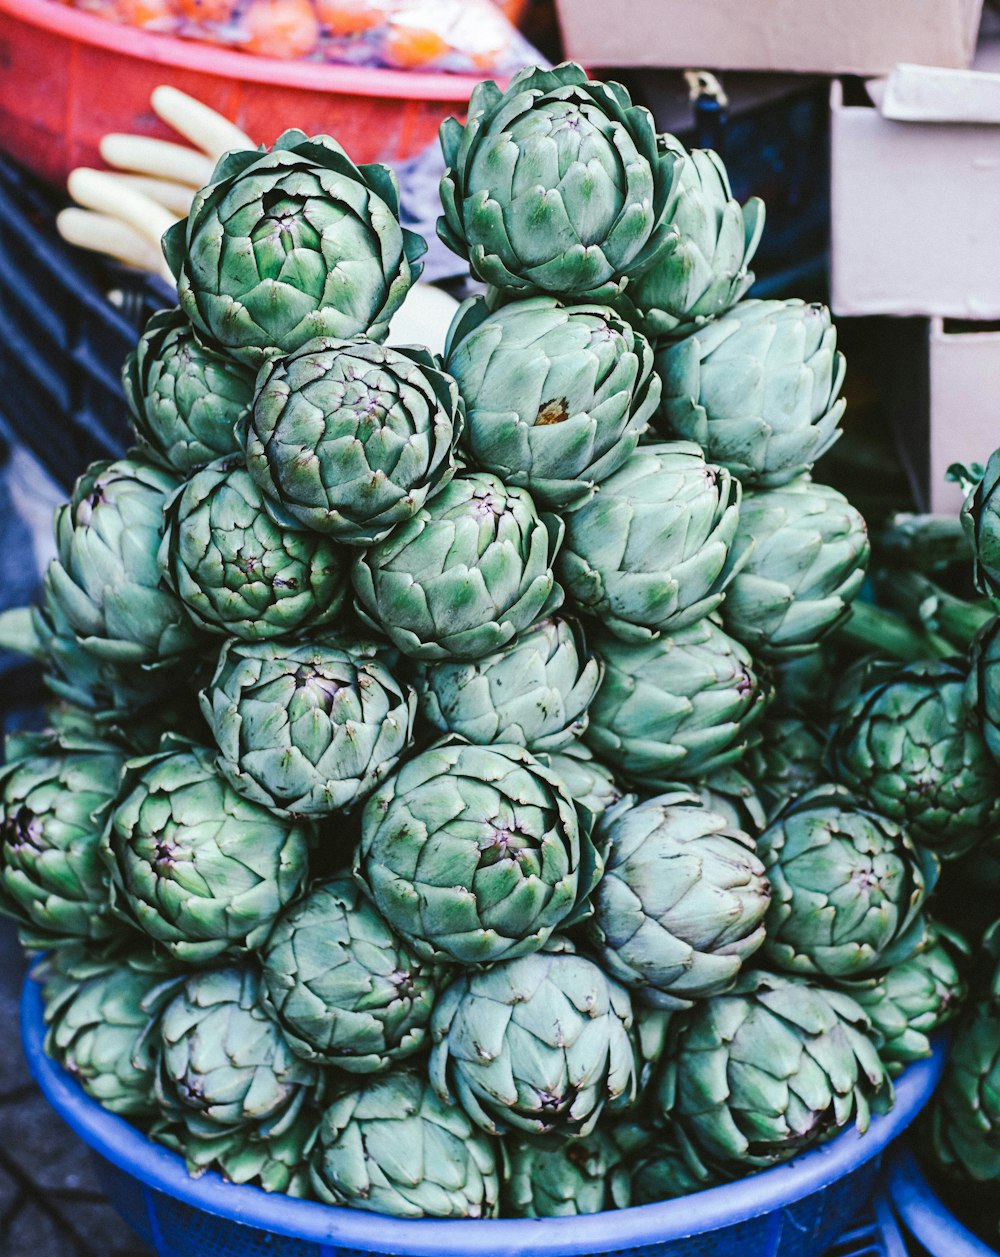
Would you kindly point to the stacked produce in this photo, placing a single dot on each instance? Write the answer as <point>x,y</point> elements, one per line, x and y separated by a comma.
<point>397,840</point>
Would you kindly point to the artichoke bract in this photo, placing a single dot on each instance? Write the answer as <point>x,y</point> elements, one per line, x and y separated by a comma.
<point>350,438</point>
<point>650,551</point>
<point>846,887</point>
<point>982,689</point>
<point>671,1167</point>
<point>474,854</point>
<point>555,1178</point>
<point>758,389</point>
<point>307,729</point>
<point>965,1112</point>
<point>680,908</point>
<point>291,244</point>
<point>194,865</point>
<point>344,989</point>
<point>800,554</point>
<point>676,707</point>
<point>787,761</point>
<point>706,268</point>
<point>780,1064</point>
<point>539,1044</point>
<point>535,692</point>
<point>733,796</point>
<point>556,396</point>
<point>908,1002</point>
<point>981,521</point>
<point>470,571</point>
<point>186,400</point>
<point>101,1015</point>
<point>53,879</point>
<point>393,1147</point>
<point>908,747</point>
<point>555,185</point>
<point>105,581</point>
<point>589,782</point>
<point>224,1062</point>
<point>237,569</point>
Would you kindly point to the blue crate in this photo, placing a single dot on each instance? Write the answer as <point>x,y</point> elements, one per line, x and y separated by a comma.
<point>925,1218</point>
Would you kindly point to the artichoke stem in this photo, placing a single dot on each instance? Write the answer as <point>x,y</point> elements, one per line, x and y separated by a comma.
<point>924,543</point>
<point>954,619</point>
<point>873,628</point>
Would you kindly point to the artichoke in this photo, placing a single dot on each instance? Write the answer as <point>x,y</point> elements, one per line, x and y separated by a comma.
<point>758,389</point>
<point>787,761</point>
<point>343,988</point>
<point>678,706</point>
<point>101,1013</point>
<point>847,886</point>
<point>472,569</point>
<point>556,185</point>
<point>474,854</point>
<point>556,1178</point>
<point>671,1167</point>
<point>982,690</point>
<point>801,552</point>
<point>911,1000</point>
<point>981,521</point>
<point>733,796</point>
<point>650,551</point>
<point>780,1064</point>
<point>224,1063</point>
<point>307,729</point>
<point>706,268</point>
<point>291,244</point>
<point>391,1146</point>
<point>908,747</point>
<point>53,879</point>
<point>194,865</point>
<point>539,1044</point>
<point>965,1111</point>
<point>680,908</point>
<point>534,692</point>
<point>556,396</point>
<point>104,585</point>
<point>349,438</point>
<point>590,784</point>
<point>186,400</point>
<point>238,570</point>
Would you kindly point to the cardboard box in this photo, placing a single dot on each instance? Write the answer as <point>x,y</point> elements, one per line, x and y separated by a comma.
<point>915,209</point>
<point>823,36</point>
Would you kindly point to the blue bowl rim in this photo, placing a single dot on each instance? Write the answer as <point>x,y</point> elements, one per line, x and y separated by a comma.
<point>610,1232</point>
<point>925,1216</point>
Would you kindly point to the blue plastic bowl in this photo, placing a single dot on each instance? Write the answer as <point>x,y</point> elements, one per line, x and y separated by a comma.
<point>930,1222</point>
<point>794,1210</point>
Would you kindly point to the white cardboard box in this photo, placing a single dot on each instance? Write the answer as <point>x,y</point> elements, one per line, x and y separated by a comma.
<point>964,385</point>
<point>915,210</point>
<point>823,36</point>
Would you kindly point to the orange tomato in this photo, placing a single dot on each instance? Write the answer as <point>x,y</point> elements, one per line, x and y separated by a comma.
<point>351,17</point>
<point>281,28</point>
<point>206,10</point>
<point>159,13</point>
<point>410,47</point>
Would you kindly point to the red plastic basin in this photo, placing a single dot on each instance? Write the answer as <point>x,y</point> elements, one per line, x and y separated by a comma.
<point>69,77</point>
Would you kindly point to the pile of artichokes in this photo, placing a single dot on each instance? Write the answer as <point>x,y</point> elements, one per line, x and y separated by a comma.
<point>429,820</point>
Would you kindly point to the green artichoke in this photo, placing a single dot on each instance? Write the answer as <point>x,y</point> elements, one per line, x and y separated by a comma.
<point>847,886</point>
<point>556,185</point>
<point>908,747</point>
<point>557,1178</point>
<point>911,1000</point>
<point>650,552</point>
<point>474,854</point>
<point>307,729</point>
<point>53,880</point>
<point>534,692</point>
<point>981,521</point>
<point>706,268</point>
<point>801,552</point>
<point>982,690</point>
<point>787,761</point>
<point>472,569</point>
<point>556,396</point>
<point>186,400</point>
<point>758,389</point>
<point>761,1074</point>
<point>391,1146</point>
<point>223,1062</point>
<point>733,796</point>
<point>287,245</point>
<point>194,865</point>
<point>680,908</point>
<point>343,988</point>
<point>101,1013</point>
<point>539,1044</point>
<point>350,439</point>
<point>671,1167</point>
<point>678,706</point>
<point>238,570</point>
<point>590,784</point>
<point>965,1111</point>
<point>104,585</point>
